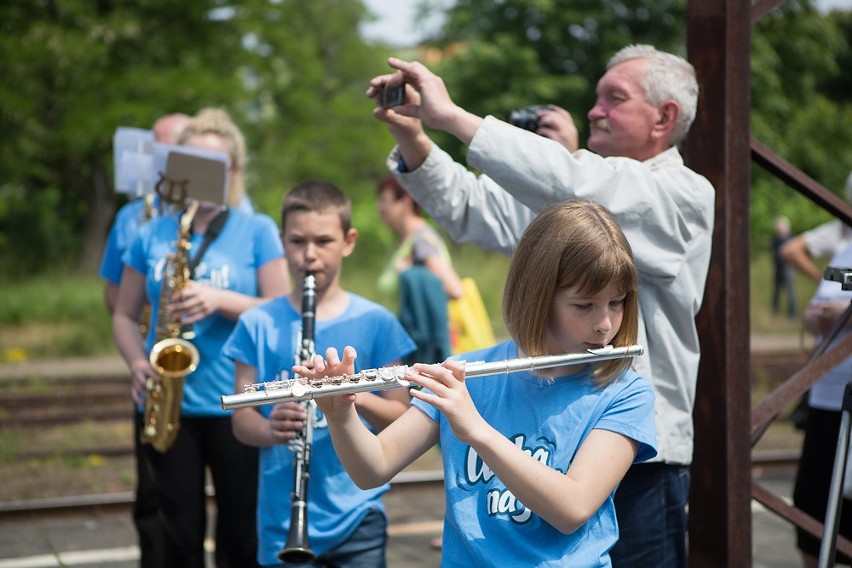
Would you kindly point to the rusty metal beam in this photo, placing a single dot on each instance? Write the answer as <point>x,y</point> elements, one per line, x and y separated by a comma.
<point>800,181</point>
<point>796,516</point>
<point>718,45</point>
<point>768,408</point>
<point>763,7</point>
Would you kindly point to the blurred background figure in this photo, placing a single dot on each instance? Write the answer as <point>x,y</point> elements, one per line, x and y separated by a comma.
<point>133,214</point>
<point>419,274</point>
<point>822,421</point>
<point>783,273</point>
<point>167,128</point>
<point>236,261</point>
<point>126,224</point>
<point>802,252</point>
<point>821,242</point>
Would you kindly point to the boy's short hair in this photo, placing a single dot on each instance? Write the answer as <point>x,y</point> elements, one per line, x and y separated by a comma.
<point>571,244</point>
<point>316,196</point>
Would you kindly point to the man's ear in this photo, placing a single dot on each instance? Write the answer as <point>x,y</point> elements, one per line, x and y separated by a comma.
<point>669,111</point>
<point>351,238</point>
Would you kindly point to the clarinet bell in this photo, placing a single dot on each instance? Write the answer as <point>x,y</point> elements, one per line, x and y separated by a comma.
<point>297,549</point>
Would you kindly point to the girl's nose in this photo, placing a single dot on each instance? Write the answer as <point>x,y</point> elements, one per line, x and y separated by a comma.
<point>604,325</point>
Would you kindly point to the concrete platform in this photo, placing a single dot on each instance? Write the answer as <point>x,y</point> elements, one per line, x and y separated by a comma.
<point>98,540</point>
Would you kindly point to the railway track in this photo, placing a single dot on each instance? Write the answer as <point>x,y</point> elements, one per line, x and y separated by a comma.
<point>40,402</point>
<point>33,509</point>
<point>43,403</point>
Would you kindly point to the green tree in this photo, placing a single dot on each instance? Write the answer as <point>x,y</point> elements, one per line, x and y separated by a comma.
<point>73,72</point>
<point>514,53</point>
<point>307,115</point>
<point>292,75</point>
<point>801,108</point>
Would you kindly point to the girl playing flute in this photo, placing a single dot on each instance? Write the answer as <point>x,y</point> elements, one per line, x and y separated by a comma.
<point>531,460</point>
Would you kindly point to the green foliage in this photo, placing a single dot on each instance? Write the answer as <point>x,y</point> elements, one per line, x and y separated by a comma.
<point>32,231</point>
<point>292,74</point>
<point>800,109</point>
<point>73,72</point>
<point>520,52</point>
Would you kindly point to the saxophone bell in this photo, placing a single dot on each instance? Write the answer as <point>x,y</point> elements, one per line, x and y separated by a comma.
<point>174,357</point>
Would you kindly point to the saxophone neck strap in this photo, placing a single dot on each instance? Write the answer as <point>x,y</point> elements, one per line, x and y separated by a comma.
<point>210,235</point>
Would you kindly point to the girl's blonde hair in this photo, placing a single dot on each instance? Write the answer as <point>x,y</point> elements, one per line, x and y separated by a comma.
<point>570,244</point>
<point>217,121</point>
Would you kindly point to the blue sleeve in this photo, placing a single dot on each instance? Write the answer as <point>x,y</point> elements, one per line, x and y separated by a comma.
<point>111,264</point>
<point>392,341</point>
<point>427,409</point>
<point>240,346</point>
<point>135,256</point>
<point>631,414</point>
<point>267,240</point>
<point>125,227</point>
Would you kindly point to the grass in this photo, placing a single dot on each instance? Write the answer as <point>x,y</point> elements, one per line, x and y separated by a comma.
<point>54,316</point>
<point>63,315</point>
<point>763,321</point>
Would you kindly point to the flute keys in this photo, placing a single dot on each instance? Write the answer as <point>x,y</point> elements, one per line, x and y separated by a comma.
<point>298,389</point>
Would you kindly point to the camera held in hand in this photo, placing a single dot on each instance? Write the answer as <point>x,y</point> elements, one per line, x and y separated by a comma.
<point>527,117</point>
<point>393,96</point>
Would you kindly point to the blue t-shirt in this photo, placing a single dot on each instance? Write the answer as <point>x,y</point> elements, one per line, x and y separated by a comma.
<point>127,221</point>
<point>484,525</point>
<point>827,393</point>
<point>266,338</point>
<point>124,228</point>
<point>231,262</point>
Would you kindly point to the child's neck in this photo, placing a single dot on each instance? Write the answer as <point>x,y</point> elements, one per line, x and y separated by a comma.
<point>331,301</point>
<point>412,225</point>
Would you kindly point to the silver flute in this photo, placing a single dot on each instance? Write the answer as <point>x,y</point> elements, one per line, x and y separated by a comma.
<point>300,388</point>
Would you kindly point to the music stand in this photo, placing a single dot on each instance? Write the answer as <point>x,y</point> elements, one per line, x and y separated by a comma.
<point>828,545</point>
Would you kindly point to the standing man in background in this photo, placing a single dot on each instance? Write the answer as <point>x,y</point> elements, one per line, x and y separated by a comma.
<point>127,222</point>
<point>166,129</point>
<point>783,273</point>
<point>646,102</point>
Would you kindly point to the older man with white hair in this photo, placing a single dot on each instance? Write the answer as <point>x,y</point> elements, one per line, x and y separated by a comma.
<point>646,102</point>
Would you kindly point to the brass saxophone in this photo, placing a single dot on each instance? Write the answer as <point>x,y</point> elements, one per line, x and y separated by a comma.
<point>172,356</point>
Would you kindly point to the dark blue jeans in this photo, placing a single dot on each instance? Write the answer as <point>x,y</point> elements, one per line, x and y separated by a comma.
<point>364,549</point>
<point>651,504</point>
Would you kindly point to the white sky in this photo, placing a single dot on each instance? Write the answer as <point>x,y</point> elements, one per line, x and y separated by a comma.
<point>396,24</point>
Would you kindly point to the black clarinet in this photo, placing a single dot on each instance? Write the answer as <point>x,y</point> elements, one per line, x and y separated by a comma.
<point>297,548</point>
